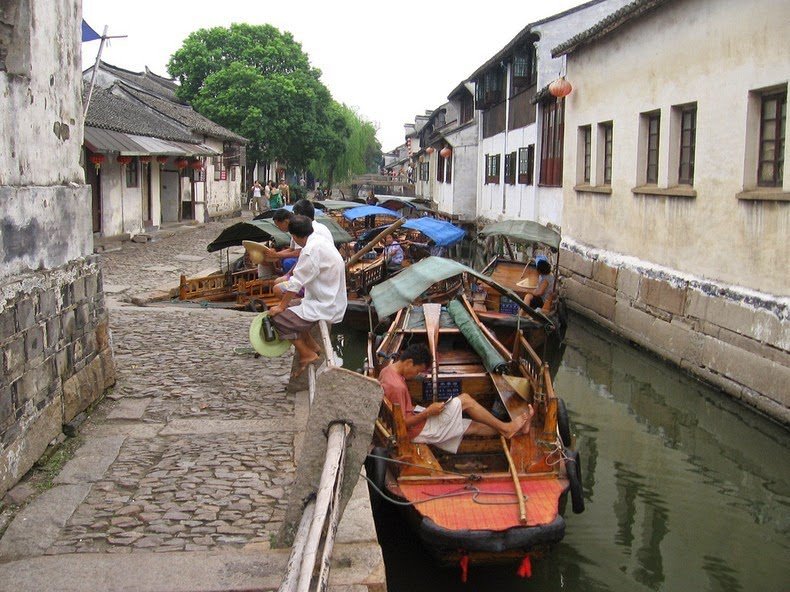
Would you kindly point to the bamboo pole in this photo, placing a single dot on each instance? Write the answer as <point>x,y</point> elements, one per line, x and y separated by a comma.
<point>291,578</point>
<point>374,241</point>
<point>336,444</point>
<point>522,508</point>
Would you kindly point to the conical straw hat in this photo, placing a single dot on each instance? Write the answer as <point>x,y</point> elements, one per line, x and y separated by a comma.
<point>270,349</point>
<point>520,385</point>
<point>256,251</point>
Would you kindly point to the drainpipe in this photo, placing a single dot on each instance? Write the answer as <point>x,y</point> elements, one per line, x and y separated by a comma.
<point>507,124</point>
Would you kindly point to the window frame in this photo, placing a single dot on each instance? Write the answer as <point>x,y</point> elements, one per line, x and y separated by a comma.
<point>607,135</point>
<point>652,154</point>
<point>687,145</point>
<point>133,172</point>
<point>526,174</point>
<point>510,168</point>
<point>551,142</point>
<point>779,124</point>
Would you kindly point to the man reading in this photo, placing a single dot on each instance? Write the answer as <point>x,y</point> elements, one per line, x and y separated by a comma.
<point>442,424</point>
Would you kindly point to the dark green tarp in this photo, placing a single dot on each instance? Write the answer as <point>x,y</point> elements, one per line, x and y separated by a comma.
<point>264,229</point>
<point>525,231</point>
<point>492,359</point>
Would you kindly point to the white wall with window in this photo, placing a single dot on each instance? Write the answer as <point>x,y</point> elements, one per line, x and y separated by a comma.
<point>677,156</point>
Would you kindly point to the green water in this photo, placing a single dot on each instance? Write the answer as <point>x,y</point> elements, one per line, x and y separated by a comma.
<point>685,489</point>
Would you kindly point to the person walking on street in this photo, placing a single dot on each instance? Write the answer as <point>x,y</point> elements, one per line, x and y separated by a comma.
<point>275,199</point>
<point>255,202</point>
<point>285,192</point>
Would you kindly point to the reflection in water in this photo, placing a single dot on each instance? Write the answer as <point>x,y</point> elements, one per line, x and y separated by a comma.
<point>685,488</point>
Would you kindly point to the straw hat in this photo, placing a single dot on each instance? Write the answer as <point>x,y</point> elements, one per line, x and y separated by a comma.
<point>256,251</point>
<point>269,349</point>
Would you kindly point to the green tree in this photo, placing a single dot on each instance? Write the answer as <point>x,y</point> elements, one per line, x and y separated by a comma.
<point>359,152</point>
<point>257,81</point>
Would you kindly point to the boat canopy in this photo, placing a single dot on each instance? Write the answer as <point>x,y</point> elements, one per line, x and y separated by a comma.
<point>444,234</point>
<point>335,204</point>
<point>264,229</point>
<point>525,231</point>
<point>408,284</point>
<point>360,211</point>
<point>255,230</point>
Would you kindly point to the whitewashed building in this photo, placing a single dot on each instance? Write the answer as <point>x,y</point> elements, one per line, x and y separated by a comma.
<point>521,125</point>
<point>152,160</point>
<point>676,198</point>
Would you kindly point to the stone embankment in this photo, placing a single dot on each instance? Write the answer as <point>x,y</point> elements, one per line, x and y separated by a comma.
<point>184,474</point>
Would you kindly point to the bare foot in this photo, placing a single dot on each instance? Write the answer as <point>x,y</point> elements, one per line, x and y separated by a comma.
<point>303,364</point>
<point>521,424</point>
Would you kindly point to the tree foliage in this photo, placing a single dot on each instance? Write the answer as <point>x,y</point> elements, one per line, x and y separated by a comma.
<point>257,81</point>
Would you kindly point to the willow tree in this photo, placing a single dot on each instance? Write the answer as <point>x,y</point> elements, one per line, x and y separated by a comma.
<point>359,153</point>
<point>257,81</point>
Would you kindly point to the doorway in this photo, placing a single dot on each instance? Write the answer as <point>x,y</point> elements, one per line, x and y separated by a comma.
<point>169,196</point>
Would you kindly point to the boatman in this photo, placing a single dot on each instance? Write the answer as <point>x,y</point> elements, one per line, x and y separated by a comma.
<point>442,424</point>
<point>321,273</point>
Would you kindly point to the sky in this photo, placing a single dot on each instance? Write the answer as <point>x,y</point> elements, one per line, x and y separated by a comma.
<point>388,61</point>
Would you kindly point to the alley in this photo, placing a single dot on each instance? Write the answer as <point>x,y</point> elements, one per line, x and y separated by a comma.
<point>191,451</point>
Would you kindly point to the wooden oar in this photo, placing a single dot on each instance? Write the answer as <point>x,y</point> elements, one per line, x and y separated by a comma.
<point>522,508</point>
<point>374,241</point>
<point>432,312</point>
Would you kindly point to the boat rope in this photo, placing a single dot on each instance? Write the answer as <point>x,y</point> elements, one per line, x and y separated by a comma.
<point>558,451</point>
<point>466,490</point>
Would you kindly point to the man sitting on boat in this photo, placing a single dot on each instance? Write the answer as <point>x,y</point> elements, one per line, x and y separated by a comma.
<point>544,289</point>
<point>281,219</point>
<point>442,424</point>
<point>393,253</point>
<point>320,272</point>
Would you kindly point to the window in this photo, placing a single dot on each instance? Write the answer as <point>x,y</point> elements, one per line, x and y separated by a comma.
<point>448,175</point>
<point>219,169</point>
<point>606,135</point>
<point>132,172</point>
<point>551,142</point>
<point>467,107</point>
<point>510,169</point>
<point>440,167</point>
<point>585,151</point>
<point>773,114</point>
<point>653,125</point>
<point>688,140</point>
<point>492,168</point>
<point>424,170</point>
<point>526,165</point>
<point>525,71</point>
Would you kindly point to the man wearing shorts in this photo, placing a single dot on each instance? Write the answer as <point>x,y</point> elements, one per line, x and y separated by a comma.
<point>321,273</point>
<point>442,424</point>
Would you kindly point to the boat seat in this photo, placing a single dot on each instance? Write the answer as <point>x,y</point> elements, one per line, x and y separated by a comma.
<point>405,449</point>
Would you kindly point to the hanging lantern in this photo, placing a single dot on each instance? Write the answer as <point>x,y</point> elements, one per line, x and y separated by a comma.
<point>123,159</point>
<point>182,163</point>
<point>97,160</point>
<point>161,159</point>
<point>446,152</point>
<point>196,165</point>
<point>145,159</point>
<point>422,158</point>
<point>430,150</point>
<point>560,88</point>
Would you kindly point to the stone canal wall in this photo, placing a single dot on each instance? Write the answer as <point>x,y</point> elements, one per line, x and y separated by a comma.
<point>56,358</point>
<point>734,339</point>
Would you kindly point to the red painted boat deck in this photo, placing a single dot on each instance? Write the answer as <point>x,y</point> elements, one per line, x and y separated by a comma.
<point>494,508</point>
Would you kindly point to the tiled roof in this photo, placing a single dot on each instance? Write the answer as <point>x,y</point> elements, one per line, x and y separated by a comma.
<point>183,114</point>
<point>159,85</point>
<point>607,25</point>
<point>110,112</point>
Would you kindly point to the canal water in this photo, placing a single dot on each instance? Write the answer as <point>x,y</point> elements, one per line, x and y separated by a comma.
<point>685,489</point>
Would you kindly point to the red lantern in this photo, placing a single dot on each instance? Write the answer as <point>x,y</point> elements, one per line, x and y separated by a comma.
<point>123,159</point>
<point>446,152</point>
<point>145,159</point>
<point>560,88</point>
<point>97,160</point>
<point>196,165</point>
<point>161,159</point>
<point>182,163</point>
<point>430,150</point>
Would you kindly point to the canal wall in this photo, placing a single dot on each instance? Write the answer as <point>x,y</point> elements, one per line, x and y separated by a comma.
<point>733,338</point>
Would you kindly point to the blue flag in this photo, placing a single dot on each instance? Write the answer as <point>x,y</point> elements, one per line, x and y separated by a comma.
<point>88,34</point>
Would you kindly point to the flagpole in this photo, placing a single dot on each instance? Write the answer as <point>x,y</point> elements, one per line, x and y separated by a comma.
<point>95,68</point>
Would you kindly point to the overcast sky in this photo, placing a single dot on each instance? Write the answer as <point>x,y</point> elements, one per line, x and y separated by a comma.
<point>391,61</point>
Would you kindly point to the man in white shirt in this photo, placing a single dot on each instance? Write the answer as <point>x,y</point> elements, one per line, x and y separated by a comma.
<point>321,273</point>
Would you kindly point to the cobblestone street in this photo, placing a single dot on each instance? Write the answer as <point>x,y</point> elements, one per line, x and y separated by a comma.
<point>191,451</point>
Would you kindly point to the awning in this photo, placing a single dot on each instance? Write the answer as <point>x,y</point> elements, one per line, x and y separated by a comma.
<point>524,231</point>
<point>360,211</point>
<point>101,140</point>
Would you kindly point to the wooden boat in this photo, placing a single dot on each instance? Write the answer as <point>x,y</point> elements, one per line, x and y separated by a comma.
<point>494,500</point>
<point>532,241</point>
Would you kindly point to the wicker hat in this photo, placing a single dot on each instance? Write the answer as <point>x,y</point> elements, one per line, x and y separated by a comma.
<point>270,349</point>
<point>255,251</point>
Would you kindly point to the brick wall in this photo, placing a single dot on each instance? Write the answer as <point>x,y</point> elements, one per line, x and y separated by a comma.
<point>56,358</point>
<point>738,341</point>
